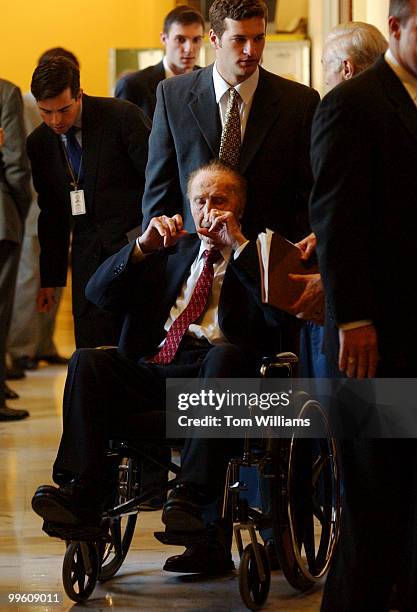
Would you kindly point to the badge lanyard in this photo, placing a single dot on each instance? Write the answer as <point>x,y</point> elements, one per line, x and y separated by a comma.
<point>77,195</point>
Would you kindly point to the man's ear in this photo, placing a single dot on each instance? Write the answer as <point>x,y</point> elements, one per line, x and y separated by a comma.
<point>163,38</point>
<point>348,70</point>
<point>394,27</point>
<point>215,41</point>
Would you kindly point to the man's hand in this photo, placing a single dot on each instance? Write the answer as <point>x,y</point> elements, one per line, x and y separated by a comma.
<point>307,245</point>
<point>358,354</point>
<point>310,305</point>
<point>162,232</point>
<point>46,299</point>
<point>221,229</point>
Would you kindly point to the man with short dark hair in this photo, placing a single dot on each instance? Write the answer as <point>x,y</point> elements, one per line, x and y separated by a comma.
<point>364,214</point>
<point>182,37</point>
<point>88,160</point>
<point>31,332</point>
<point>178,292</point>
<point>238,112</point>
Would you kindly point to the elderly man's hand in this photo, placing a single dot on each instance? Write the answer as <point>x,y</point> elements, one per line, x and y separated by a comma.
<point>358,354</point>
<point>162,232</point>
<point>222,229</point>
<point>310,305</point>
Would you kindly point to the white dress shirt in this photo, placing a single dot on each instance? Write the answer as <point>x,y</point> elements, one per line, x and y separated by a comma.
<point>246,91</point>
<point>208,324</point>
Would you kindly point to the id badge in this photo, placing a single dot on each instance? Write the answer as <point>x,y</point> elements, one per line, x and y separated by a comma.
<point>77,202</point>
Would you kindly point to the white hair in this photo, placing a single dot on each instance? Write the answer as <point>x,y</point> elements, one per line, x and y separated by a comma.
<point>361,43</point>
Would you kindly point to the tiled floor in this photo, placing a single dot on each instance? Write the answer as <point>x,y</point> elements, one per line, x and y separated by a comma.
<point>30,561</point>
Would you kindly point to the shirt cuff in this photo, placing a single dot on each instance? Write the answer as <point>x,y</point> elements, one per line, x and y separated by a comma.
<point>240,249</point>
<point>137,254</point>
<point>355,324</point>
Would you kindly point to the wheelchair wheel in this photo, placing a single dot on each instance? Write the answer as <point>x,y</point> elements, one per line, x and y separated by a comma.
<point>253,590</point>
<point>120,528</point>
<point>305,502</point>
<point>80,570</point>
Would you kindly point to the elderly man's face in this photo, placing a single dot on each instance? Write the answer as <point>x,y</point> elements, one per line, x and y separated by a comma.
<point>213,190</point>
<point>332,76</point>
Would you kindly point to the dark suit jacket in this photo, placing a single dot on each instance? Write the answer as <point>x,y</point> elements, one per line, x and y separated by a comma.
<point>364,206</point>
<point>140,87</point>
<point>115,146</point>
<point>274,157</point>
<point>145,293</point>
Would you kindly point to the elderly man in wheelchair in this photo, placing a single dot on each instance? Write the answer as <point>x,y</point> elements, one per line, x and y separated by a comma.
<point>192,309</point>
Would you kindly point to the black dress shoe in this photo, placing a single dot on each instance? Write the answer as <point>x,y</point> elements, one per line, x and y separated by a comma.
<point>53,359</point>
<point>11,414</point>
<point>9,393</point>
<point>76,503</point>
<point>15,373</point>
<point>200,560</point>
<point>25,363</point>
<point>183,509</point>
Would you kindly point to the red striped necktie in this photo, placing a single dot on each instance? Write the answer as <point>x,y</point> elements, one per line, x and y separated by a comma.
<point>191,313</point>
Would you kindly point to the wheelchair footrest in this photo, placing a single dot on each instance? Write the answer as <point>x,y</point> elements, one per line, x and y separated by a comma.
<point>184,538</point>
<point>76,532</point>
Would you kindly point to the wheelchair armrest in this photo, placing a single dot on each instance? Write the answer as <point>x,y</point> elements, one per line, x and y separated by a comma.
<point>285,360</point>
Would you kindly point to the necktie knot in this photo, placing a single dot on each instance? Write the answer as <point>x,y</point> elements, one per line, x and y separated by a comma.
<point>211,256</point>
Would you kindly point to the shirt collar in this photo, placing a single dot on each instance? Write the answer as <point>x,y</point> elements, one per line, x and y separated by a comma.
<point>246,89</point>
<point>226,252</point>
<point>408,80</point>
<point>168,71</point>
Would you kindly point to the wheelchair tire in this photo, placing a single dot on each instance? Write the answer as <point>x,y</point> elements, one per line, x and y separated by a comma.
<point>253,591</point>
<point>306,503</point>
<point>80,570</point>
<point>120,528</point>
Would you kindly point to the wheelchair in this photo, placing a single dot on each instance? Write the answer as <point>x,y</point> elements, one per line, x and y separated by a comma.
<point>299,509</point>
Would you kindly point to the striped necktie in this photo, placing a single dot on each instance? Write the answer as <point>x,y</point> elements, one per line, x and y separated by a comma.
<point>191,313</point>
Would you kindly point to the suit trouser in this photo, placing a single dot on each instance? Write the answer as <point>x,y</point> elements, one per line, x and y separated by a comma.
<point>31,332</point>
<point>105,390</point>
<point>9,261</point>
<point>378,542</point>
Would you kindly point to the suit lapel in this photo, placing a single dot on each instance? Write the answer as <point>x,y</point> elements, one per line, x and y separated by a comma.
<point>158,75</point>
<point>398,96</point>
<point>262,116</point>
<point>92,133</point>
<point>204,109</point>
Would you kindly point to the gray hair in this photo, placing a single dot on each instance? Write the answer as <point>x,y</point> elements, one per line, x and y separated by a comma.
<point>361,43</point>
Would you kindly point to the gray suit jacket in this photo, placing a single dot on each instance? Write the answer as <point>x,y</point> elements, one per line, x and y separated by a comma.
<point>274,156</point>
<point>15,194</point>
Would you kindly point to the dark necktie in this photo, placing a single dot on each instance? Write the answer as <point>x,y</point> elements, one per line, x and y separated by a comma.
<point>231,135</point>
<point>74,152</point>
<point>191,313</point>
